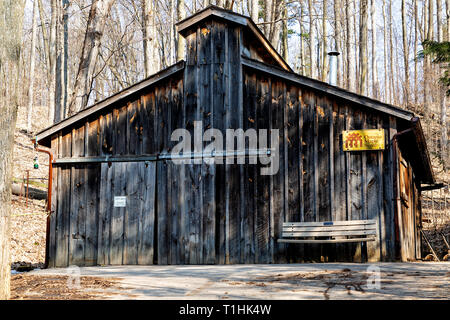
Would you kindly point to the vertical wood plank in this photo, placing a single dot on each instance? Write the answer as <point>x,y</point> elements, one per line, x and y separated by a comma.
<point>233,109</point>
<point>340,181</point>
<point>148,123</point>
<point>218,121</point>
<point>104,214</point>
<point>147,223</point>
<point>323,157</point>
<point>249,178</point>
<point>92,172</point>
<point>133,191</point>
<point>389,198</point>
<point>356,180</point>
<point>263,182</point>
<point>308,150</point>
<point>117,214</point>
<point>51,241</point>
<point>277,209</point>
<point>64,197</point>
<point>206,114</point>
<point>373,203</point>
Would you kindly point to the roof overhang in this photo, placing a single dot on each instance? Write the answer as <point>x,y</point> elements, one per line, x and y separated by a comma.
<point>417,153</point>
<point>187,24</point>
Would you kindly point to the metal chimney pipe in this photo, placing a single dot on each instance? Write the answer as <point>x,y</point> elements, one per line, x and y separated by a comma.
<point>333,57</point>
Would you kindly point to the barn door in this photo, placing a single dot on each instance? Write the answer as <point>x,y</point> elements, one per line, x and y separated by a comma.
<point>406,218</point>
<point>127,214</point>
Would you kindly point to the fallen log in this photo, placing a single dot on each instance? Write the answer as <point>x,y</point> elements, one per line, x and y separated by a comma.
<point>33,193</point>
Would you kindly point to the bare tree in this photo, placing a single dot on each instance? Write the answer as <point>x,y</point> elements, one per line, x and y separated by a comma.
<point>405,53</point>
<point>254,10</point>
<point>181,14</point>
<point>149,32</point>
<point>11,23</point>
<point>324,39</point>
<point>337,33</point>
<point>88,60</point>
<point>52,62</point>
<point>312,40</point>
<point>373,13</point>
<point>284,37</point>
<point>32,65</point>
<point>363,61</point>
<point>447,13</point>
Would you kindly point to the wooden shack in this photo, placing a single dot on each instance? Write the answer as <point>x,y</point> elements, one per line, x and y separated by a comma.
<point>118,199</point>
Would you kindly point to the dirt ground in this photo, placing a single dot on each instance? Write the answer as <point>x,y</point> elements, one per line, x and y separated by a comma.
<point>334,281</point>
<point>33,287</point>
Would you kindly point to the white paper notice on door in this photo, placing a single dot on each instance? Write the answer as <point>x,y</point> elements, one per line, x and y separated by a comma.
<point>120,202</point>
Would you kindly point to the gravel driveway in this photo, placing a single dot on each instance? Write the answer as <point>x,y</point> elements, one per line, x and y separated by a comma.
<point>295,281</point>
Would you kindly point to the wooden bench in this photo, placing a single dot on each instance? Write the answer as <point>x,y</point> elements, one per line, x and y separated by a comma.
<point>333,232</point>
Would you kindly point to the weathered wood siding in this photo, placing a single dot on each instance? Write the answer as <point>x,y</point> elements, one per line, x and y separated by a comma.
<point>85,227</point>
<point>198,213</point>
<point>317,181</point>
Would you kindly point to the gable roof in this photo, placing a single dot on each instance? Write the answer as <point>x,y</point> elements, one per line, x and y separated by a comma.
<point>43,137</point>
<point>187,24</point>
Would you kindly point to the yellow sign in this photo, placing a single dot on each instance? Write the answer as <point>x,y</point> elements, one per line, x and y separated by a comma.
<point>360,140</point>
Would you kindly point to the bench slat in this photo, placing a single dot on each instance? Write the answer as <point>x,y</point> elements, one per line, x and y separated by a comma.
<point>330,228</point>
<point>326,241</point>
<point>329,234</point>
<point>330,223</point>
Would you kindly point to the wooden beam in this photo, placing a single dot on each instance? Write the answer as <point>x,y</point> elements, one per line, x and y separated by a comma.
<point>326,241</point>
<point>205,13</point>
<point>331,224</point>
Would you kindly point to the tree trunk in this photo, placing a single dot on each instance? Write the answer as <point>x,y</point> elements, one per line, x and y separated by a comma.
<point>363,61</point>
<point>324,39</point>
<point>89,54</point>
<point>254,10</point>
<point>391,57</point>
<point>66,54</point>
<point>348,46</point>
<point>337,35</point>
<point>355,40</point>
<point>386,82</point>
<point>11,24</point>
<point>60,63</point>
<point>301,68</point>
<point>181,14</point>
<point>405,53</point>
<point>267,17</point>
<point>416,39</point>
<point>32,65</point>
<point>52,66</point>
<point>374,51</point>
<point>149,35</point>
<point>442,91</point>
<point>447,13</point>
<point>173,33</point>
<point>312,40</point>
<point>284,38</point>
<point>276,25</point>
